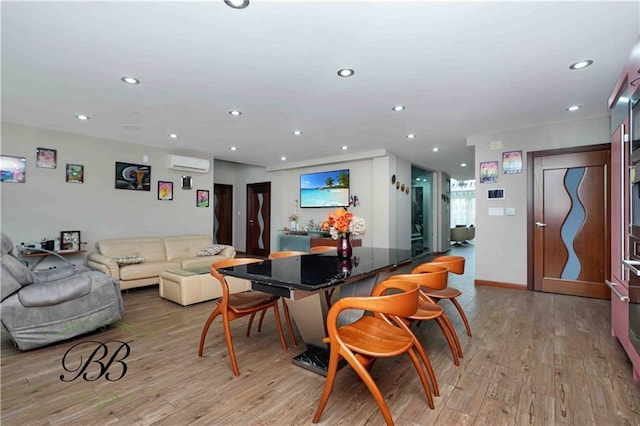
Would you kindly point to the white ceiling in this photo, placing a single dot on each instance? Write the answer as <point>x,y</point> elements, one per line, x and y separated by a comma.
<point>460,68</point>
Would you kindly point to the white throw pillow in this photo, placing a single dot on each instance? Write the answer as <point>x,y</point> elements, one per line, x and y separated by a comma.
<point>211,250</point>
<point>128,260</point>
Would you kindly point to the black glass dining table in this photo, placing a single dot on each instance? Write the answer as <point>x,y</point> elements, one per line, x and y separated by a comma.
<point>304,279</point>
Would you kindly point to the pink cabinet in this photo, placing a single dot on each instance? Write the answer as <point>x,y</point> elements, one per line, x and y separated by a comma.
<point>624,282</point>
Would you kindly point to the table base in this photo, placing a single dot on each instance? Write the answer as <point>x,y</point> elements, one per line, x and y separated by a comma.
<point>316,359</point>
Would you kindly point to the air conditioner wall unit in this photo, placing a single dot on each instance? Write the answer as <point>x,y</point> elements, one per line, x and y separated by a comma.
<point>189,164</point>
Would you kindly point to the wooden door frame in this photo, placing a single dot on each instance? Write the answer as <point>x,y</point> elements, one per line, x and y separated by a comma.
<point>267,220</point>
<point>531,156</point>
<point>228,189</point>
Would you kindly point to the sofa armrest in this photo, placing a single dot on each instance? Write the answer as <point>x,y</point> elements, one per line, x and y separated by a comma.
<point>54,293</point>
<point>102,263</point>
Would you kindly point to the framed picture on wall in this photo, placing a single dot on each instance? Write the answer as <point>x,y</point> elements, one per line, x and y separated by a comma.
<point>165,190</point>
<point>202,198</point>
<point>512,162</point>
<point>75,173</point>
<point>488,171</point>
<point>46,158</point>
<point>136,177</point>
<point>12,169</point>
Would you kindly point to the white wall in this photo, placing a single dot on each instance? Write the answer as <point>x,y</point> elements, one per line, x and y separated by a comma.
<point>46,204</point>
<point>501,241</point>
<point>386,211</point>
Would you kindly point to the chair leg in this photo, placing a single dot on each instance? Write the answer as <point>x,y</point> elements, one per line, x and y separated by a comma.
<point>452,345</point>
<point>464,317</point>
<point>262,314</point>
<point>453,333</point>
<point>227,338</point>
<point>427,363</point>
<point>423,378</point>
<point>253,314</point>
<point>205,329</point>
<point>334,357</point>
<point>371,385</point>
<point>276,314</point>
<point>287,319</point>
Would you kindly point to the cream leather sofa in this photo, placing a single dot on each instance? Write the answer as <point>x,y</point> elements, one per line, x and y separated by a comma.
<point>159,253</point>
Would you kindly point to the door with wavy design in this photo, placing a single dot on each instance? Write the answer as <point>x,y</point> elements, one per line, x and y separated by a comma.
<point>258,219</point>
<point>572,225</point>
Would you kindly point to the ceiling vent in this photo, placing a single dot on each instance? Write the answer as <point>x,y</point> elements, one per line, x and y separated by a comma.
<point>188,164</point>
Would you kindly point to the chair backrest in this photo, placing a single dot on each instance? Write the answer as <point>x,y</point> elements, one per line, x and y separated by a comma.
<point>454,263</point>
<point>458,234</point>
<point>286,253</point>
<point>428,276</point>
<point>403,304</point>
<point>320,249</point>
<point>471,233</point>
<point>238,261</point>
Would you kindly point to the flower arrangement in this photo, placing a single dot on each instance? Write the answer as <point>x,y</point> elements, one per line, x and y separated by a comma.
<point>342,222</point>
<point>293,217</point>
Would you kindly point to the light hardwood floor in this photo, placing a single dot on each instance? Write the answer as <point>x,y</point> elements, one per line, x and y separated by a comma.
<point>534,358</point>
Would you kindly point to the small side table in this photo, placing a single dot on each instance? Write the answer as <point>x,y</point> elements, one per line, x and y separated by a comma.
<point>40,254</point>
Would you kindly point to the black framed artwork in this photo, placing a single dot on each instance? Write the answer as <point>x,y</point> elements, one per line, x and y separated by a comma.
<point>136,177</point>
<point>46,158</point>
<point>165,190</point>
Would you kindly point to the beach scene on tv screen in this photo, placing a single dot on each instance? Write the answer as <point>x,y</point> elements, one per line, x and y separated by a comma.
<point>325,189</point>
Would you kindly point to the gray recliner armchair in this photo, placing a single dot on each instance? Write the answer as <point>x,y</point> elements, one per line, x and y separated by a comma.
<point>42,307</point>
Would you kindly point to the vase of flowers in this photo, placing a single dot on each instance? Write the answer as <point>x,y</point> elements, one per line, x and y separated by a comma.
<point>342,225</point>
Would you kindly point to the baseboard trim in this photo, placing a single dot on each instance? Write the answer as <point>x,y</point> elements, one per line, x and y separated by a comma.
<point>499,284</point>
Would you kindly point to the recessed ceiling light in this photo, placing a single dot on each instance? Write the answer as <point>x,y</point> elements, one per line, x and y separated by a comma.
<point>398,108</point>
<point>82,117</point>
<point>346,72</point>
<point>573,108</point>
<point>283,158</point>
<point>235,112</point>
<point>297,132</point>
<point>173,136</point>
<point>581,64</point>
<point>233,148</point>
<point>411,136</point>
<point>463,165</point>
<point>130,80</point>
<point>418,179</point>
<point>436,149</point>
<point>344,147</point>
<point>237,4</point>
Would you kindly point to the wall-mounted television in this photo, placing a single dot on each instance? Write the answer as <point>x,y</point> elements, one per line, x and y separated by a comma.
<point>325,189</point>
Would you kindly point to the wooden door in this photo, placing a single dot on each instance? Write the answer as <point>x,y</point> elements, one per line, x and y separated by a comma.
<point>223,214</point>
<point>258,219</point>
<point>571,232</point>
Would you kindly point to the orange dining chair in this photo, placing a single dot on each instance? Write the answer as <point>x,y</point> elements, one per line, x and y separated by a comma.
<point>455,264</point>
<point>234,306</point>
<point>433,276</point>
<point>370,337</point>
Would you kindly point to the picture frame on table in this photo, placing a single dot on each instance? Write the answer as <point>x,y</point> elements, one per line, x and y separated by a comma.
<point>46,158</point>
<point>69,240</point>
<point>202,198</point>
<point>165,190</point>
